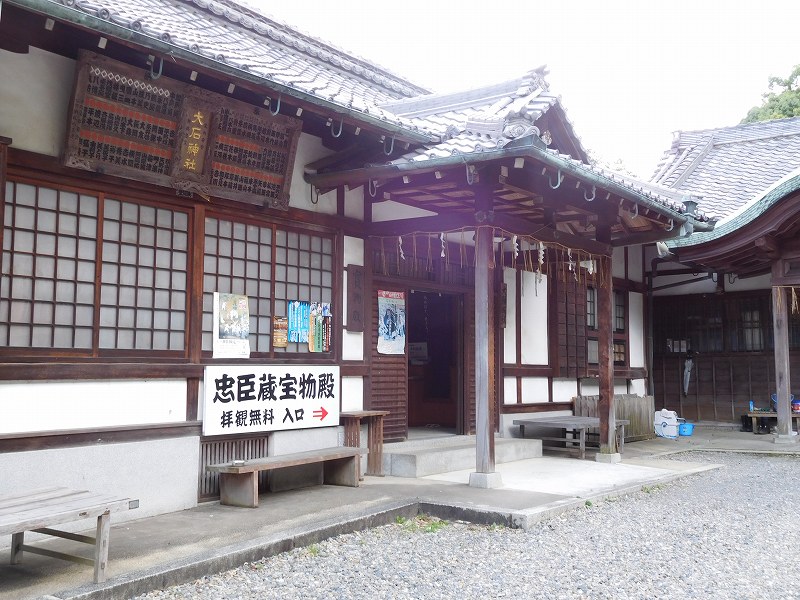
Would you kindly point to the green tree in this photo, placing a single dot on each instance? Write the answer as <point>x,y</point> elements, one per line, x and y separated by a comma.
<point>782,100</point>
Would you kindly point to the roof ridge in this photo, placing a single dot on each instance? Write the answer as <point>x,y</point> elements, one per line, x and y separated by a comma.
<point>250,17</point>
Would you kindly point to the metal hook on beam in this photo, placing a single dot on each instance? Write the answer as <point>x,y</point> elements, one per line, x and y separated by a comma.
<point>154,75</point>
<point>277,106</point>
<point>470,175</point>
<point>372,188</point>
<point>338,133</point>
<point>391,148</point>
<point>671,225</point>
<point>560,179</point>
<point>594,193</point>
<point>635,212</point>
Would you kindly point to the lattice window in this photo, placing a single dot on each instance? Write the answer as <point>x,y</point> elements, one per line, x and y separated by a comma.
<point>620,311</point>
<point>239,260</point>
<point>48,268</point>
<point>591,310</point>
<point>144,278</point>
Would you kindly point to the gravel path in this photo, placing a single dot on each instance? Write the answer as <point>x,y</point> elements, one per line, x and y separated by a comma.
<point>693,538</point>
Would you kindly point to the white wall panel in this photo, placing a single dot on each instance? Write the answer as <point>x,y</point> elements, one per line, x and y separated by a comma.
<point>309,149</point>
<point>45,406</point>
<point>509,390</point>
<point>564,390</point>
<point>510,332</point>
<point>638,329</point>
<point>352,393</point>
<point>535,390</point>
<point>534,320</point>
<point>34,99</point>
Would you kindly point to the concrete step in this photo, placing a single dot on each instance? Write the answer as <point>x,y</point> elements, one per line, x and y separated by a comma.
<point>418,458</point>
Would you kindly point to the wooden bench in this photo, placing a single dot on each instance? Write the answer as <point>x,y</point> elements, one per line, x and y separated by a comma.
<point>764,414</point>
<point>571,426</point>
<point>352,436</point>
<point>37,510</point>
<point>238,480</point>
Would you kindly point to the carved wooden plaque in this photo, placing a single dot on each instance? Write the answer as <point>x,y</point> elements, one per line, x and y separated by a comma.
<point>161,131</point>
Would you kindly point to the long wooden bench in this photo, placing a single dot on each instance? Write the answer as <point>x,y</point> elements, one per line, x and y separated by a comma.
<point>573,431</point>
<point>238,480</point>
<point>37,510</point>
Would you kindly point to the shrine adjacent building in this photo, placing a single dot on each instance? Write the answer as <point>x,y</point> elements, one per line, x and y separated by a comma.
<point>219,232</point>
<point>718,293</point>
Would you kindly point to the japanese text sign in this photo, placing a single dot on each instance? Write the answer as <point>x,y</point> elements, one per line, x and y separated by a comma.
<point>249,399</point>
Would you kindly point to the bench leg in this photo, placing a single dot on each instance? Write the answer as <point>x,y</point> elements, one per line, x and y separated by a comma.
<point>375,446</point>
<point>17,539</point>
<point>342,471</point>
<point>582,435</point>
<point>101,547</point>
<point>755,424</point>
<point>239,489</point>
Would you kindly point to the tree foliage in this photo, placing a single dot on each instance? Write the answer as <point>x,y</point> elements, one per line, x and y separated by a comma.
<point>782,100</point>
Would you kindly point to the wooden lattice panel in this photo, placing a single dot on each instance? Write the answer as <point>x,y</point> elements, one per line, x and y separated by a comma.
<point>161,131</point>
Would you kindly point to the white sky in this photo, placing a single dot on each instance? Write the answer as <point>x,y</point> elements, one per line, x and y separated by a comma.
<point>629,72</point>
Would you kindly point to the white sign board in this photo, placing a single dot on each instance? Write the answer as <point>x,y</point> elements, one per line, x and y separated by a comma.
<point>249,399</point>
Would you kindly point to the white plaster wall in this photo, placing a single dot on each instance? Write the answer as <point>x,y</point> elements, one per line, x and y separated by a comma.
<point>309,149</point>
<point>352,341</point>
<point>352,393</point>
<point>591,387</point>
<point>534,320</point>
<point>509,390</point>
<point>510,332</point>
<point>635,264</point>
<point>34,99</point>
<point>391,211</point>
<point>638,327</point>
<point>535,390</point>
<point>354,203</point>
<point>762,282</point>
<point>638,387</point>
<point>696,285</point>
<point>161,474</point>
<point>564,390</point>
<point>618,262</point>
<point>43,406</point>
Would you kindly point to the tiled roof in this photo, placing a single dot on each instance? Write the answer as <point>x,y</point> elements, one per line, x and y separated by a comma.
<point>727,167</point>
<point>227,32</point>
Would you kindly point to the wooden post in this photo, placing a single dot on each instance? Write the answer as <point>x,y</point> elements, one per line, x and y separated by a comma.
<point>780,325</point>
<point>605,340</point>
<point>485,432</point>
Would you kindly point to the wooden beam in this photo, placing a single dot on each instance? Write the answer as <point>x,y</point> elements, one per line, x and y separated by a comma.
<point>780,326</point>
<point>484,456</point>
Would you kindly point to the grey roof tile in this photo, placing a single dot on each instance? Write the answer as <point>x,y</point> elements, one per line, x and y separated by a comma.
<point>729,166</point>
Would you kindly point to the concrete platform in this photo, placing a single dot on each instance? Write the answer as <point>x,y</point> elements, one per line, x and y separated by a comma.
<point>155,552</point>
<point>419,458</point>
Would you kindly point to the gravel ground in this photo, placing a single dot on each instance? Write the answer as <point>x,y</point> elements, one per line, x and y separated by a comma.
<point>693,538</point>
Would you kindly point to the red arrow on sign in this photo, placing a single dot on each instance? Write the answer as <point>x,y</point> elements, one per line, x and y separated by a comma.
<point>321,413</point>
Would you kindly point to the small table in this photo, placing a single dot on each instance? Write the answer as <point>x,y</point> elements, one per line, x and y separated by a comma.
<point>755,415</point>
<point>572,424</point>
<point>352,436</point>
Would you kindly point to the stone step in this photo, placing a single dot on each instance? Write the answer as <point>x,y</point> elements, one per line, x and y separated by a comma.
<point>418,458</point>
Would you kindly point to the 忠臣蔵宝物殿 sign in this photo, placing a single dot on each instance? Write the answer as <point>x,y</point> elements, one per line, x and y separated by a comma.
<point>247,399</point>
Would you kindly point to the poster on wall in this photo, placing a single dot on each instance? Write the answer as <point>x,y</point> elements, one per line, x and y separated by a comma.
<point>231,326</point>
<point>391,322</point>
<point>250,399</point>
<point>310,323</point>
<point>280,332</point>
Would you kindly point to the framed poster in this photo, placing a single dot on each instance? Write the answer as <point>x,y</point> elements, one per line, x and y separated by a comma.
<point>231,326</point>
<point>391,322</point>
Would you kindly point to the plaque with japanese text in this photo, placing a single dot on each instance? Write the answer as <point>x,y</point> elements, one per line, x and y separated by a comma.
<point>123,122</point>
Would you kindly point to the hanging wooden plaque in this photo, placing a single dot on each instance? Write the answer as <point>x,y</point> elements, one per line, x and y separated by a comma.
<point>161,131</point>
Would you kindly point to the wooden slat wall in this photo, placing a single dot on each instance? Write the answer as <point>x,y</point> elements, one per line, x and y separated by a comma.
<point>720,387</point>
<point>469,351</point>
<point>219,451</point>
<point>638,410</point>
<point>389,384</point>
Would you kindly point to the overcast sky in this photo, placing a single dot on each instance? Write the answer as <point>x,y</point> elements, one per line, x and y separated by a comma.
<point>629,72</point>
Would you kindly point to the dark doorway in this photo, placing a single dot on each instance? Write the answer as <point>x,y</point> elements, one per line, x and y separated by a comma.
<point>435,360</point>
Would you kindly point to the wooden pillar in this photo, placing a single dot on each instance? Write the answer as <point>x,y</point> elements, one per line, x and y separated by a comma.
<point>605,341</point>
<point>484,458</point>
<point>780,325</point>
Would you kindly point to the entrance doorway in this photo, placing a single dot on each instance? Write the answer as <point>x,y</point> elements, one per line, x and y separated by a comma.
<point>435,361</point>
